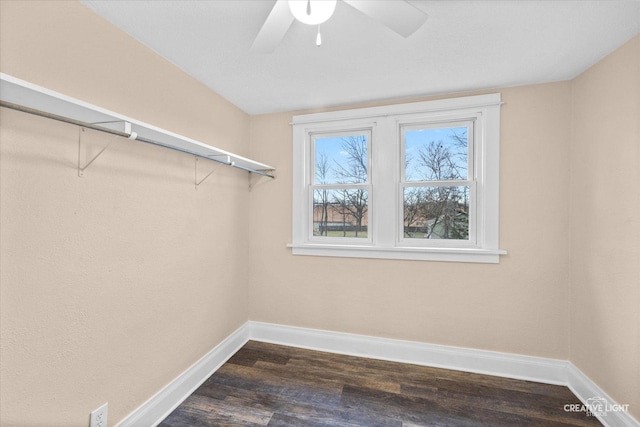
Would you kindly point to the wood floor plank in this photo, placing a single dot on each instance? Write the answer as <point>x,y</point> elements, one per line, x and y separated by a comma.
<point>506,383</point>
<point>248,356</point>
<point>333,375</point>
<point>273,385</point>
<point>203,411</point>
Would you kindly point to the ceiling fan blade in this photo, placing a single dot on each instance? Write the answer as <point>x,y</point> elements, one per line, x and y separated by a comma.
<point>274,28</point>
<point>400,16</point>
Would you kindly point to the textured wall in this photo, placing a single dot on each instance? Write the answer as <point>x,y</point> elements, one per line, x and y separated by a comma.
<point>114,283</point>
<point>605,172</point>
<point>518,306</point>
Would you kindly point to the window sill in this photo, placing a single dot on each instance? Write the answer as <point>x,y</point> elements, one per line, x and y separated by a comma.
<point>488,256</point>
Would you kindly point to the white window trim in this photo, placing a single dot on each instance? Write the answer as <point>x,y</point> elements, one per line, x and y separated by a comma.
<point>385,122</point>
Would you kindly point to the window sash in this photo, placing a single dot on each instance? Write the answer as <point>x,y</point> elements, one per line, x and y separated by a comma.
<point>314,136</point>
<point>312,237</point>
<point>470,182</point>
<point>314,186</point>
<point>437,124</point>
<point>470,242</point>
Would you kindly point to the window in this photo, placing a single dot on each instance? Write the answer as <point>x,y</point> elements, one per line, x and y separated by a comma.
<point>340,185</point>
<point>437,188</point>
<point>411,181</point>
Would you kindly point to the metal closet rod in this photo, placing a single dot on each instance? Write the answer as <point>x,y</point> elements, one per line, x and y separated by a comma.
<point>124,135</point>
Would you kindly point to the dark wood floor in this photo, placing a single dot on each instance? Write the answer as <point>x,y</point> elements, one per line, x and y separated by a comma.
<point>271,385</point>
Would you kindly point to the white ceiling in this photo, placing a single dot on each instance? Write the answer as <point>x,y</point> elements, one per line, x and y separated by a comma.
<point>464,45</point>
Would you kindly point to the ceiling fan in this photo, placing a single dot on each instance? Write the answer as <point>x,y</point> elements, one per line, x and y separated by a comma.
<point>399,15</point>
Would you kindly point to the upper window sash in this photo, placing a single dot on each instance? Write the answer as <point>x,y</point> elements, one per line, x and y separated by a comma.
<point>448,133</point>
<point>340,151</point>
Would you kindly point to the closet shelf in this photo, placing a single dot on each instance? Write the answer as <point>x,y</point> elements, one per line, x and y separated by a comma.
<point>33,99</point>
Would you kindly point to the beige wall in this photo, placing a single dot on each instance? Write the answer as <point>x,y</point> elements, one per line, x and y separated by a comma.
<point>112,284</point>
<point>605,224</point>
<point>518,306</point>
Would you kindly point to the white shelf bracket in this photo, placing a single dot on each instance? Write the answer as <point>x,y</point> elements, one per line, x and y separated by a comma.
<point>256,179</point>
<point>197,181</point>
<point>82,132</point>
<point>118,125</point>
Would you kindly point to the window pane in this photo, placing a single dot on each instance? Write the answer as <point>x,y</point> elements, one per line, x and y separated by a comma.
<point>340,213</point>
<point>436,213</point>
<point>341,159</point>
<point>436,154</point>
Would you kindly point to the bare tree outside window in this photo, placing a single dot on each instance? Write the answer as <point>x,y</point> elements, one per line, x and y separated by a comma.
<point>353,203</point>
<point>340,203</point>
<point>435,207</point>
<point>322,172</point>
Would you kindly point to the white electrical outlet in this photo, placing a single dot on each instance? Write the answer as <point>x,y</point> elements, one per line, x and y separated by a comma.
<point>99,417</point>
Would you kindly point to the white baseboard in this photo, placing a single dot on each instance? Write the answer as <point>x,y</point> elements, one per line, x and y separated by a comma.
<point>156,409</point>
<point>583,387</point>
<point>538,369</point>
<point>440,356</point>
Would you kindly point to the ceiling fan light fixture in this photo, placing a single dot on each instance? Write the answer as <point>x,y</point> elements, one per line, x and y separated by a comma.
<point>312,12</point>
